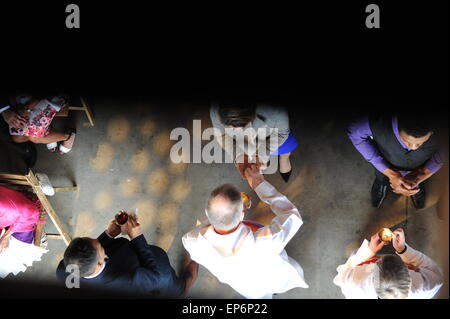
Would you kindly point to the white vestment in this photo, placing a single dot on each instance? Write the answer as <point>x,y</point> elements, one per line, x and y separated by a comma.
<point>18,256</point>
<point>356,280</point>
<point>254,264</point>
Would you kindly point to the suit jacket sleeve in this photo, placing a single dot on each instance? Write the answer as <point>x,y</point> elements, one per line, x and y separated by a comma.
<point>153,273</point>
<point>105,240</point>
<point>286,223</point>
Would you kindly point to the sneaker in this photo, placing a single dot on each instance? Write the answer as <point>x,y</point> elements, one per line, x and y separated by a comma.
<point>419,198</point>
<point>378,193</point>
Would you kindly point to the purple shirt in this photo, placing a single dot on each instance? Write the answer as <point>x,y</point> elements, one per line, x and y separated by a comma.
<point>361,136</point>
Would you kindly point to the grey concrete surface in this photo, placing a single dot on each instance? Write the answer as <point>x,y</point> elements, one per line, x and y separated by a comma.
<point>122,162</point>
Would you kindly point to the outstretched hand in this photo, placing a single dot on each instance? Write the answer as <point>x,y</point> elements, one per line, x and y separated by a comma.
<point>398,239</point>
<point>253,175</point>
<point>133,227</point>
<point>113,229</point>
<point>376,243</point>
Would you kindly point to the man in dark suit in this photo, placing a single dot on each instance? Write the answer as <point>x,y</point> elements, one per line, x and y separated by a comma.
<point>125,265</point>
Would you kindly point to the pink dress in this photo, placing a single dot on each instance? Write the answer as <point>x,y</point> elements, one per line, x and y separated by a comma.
<point>17,211</point>
<point>39,120</point>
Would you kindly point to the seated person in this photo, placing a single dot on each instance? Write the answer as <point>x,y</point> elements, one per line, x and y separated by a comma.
<point>19,217</point>
<point>125,265</point>
<point>30,118</point>
<point>407,274</point>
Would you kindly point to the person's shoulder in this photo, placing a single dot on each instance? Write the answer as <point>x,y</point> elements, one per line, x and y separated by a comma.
<point>193,235</point>
<point>61,270</point>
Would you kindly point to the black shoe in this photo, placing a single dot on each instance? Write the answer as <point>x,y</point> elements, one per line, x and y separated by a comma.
<point>419,199</point>
<point>286,176</point>
<point>378,193</point>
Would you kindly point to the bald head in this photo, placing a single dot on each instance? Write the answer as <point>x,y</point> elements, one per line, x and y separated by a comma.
<point>224,209</point>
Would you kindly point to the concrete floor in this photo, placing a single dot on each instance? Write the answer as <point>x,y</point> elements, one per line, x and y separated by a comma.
<point>123,163</point>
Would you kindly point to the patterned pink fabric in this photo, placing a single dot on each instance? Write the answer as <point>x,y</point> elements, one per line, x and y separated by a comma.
<point>17,211</point>
<point>40,118</point>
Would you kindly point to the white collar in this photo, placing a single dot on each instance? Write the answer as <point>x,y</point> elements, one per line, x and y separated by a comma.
<point>98,273</point>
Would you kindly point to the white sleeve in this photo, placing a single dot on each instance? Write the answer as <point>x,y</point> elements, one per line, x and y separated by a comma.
<point>286,223</point>
<point>430,272</point>
<point>345,271</point>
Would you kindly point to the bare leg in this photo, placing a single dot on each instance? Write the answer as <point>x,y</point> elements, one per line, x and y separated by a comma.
<point>53,136</point>
<point>20,139</point>
<point>285,163</point>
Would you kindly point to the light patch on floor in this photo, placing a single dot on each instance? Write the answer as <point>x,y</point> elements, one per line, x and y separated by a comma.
<point>147,128</point>
<point>146,213</point>
<point>162,143</point>
<point>103,200</point>
<point>139,161</point>
<point>130,186</point>
<point>157,181</point>
<point>103,158</point>
<point>118,129</point>
<point>86,225</point>
<point>179,190</point>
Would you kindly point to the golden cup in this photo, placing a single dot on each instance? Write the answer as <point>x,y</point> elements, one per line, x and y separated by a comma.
<point>385,234</point>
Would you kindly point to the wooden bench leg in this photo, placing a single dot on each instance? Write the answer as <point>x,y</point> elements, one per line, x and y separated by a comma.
<point>38,235</point>
<point>88,111</point>
<point>66,189</point>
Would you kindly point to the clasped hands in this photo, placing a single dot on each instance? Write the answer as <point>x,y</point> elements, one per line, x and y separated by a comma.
<point>133,228</point>
<point>407,185</point>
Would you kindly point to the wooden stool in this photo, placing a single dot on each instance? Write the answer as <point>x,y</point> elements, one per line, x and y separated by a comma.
<point>30,180</point>
<point>65,111</point>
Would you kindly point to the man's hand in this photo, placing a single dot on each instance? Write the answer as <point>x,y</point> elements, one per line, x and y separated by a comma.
<point>13,119</point>
<point>113,229</point>
<point>253,175</point>
<point>376,243</point>
<point>133,227</point>
<point>4,243</point>
<point>398,240</point>
<point>416,177</point>
<point>398,184</point>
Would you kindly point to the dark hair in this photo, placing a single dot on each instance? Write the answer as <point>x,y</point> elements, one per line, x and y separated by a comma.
<point>82,253</point>
<point>225,218</point>
<point>415,126</point>
<point>237,114</point>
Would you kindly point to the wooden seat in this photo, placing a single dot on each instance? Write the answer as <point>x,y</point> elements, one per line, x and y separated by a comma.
<point>30,180</point>
<point>84,107</point>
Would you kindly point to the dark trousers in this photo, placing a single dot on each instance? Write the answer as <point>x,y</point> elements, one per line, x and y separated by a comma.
<point>382,179</point>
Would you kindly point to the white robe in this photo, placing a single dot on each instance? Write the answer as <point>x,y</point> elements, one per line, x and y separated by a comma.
<point>356,282</point>
<point>254,264</point>
<point>18,257</point>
